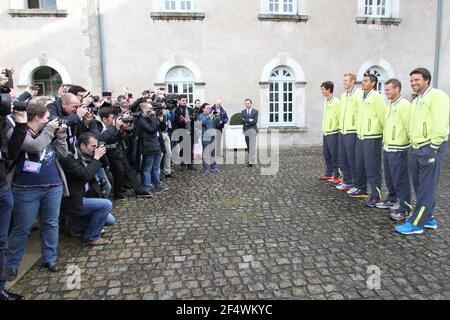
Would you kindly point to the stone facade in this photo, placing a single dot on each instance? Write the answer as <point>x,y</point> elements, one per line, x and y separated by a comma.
<point>230,48</point>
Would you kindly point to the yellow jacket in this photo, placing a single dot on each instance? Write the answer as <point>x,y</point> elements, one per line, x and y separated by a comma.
<point>396,128</point>
<point>371,116</point>
<point>350,104</point>
<point>330,123</point>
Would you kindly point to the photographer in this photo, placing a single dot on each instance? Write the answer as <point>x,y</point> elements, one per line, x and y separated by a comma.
<point>13,147</point>
<point>136,106</point>
<point>131,139</point>
<point>76,116</point>
<point>38,185</point>
<point>149,135</point>
<point>218,110</point>
<point>112,135</point>
<point>185,118</point>
<point>165,118</point>
<point>87,212</point>
<point>210,123</point>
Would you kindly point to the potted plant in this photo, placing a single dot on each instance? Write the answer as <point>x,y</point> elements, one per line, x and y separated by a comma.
<point>234,135</point>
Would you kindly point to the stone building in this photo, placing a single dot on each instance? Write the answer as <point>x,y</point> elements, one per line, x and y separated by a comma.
<point>276,52</point>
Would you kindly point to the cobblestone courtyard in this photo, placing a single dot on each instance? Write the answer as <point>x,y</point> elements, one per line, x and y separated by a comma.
<point>240,235</point>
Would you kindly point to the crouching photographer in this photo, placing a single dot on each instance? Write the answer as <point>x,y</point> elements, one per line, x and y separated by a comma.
<point>38,185</point>
<point>87,212</point>
<point>112,135</point>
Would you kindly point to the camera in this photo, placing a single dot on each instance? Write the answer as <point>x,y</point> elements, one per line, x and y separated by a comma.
<point>61,121</point>
<point>127,120</point>
<point>133,116</point>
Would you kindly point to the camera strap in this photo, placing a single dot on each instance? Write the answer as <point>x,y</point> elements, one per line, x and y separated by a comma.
<point>44,153</point>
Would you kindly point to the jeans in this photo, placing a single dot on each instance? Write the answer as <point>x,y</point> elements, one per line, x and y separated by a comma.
<point>96,215</point>
<point>209,158</point>
<point>152,170</point>
<point>6,205</point>
<point>29,203</point>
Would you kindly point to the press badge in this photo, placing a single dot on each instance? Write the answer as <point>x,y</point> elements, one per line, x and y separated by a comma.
<point>32,167</point>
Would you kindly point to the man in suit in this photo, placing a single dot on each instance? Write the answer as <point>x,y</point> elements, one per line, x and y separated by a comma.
<point>250,122</point>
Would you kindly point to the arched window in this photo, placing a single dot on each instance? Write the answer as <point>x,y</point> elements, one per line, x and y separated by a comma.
<point>381,75</point>
<point>180,80</point>
<point>48,80</point>
<point>281,100</point>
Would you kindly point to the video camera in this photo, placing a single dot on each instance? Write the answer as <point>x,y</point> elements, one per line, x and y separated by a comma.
<point>169,102</point>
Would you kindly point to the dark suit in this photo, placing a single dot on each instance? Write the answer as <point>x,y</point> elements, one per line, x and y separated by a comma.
<point>250,122</point>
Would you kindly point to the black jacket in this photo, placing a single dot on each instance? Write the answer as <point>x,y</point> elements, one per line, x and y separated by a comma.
<point>13,147</point>
<point>148,131</point>
<point>77,176</point>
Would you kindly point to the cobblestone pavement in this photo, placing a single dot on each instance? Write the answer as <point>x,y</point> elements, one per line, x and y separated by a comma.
<point>240,235</point>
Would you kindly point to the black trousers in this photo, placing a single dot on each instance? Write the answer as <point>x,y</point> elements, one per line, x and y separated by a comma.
<point>121,170</point>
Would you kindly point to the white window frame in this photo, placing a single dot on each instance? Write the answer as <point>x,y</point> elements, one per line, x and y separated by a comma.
<point>177,5</point>
<point>280,87</point>
<point>392,8</point>
<point>181,83</point>
<point>267,7</point>
<point>43,6</point>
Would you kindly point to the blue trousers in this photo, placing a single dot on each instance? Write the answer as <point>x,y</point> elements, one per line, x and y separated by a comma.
<point>331,155</point>
<point>151,168</point>
<point>209,158</point>
<point>396,174</point>
<point>96,215</point>
<point>6,206</point>
<point>347,154</point>
<point>425,166</point>
<point>28,204</point>
<point>368,165</point>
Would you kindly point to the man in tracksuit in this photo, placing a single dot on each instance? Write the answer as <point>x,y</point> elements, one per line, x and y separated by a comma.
<point>351,101</point>
<point>429,129</point>
<point>396,143</point>
<point>330,128</point>
<point>372,116</point>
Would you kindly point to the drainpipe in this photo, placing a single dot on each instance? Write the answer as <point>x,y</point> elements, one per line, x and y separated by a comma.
<point>438,43</point>
<point>101,44</point>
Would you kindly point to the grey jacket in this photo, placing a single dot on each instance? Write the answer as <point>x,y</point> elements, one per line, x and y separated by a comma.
<point>38,145</point>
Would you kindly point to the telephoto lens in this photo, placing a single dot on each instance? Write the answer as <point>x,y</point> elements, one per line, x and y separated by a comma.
<point>5,104</point>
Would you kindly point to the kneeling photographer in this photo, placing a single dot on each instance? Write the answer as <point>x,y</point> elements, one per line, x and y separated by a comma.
<point>148,129</point>
<point>113,136</point>
<point>87,211</point>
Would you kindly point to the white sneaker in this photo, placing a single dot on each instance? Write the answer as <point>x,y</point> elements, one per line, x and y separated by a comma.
<point>352,190</point>
<point>344,187</point>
